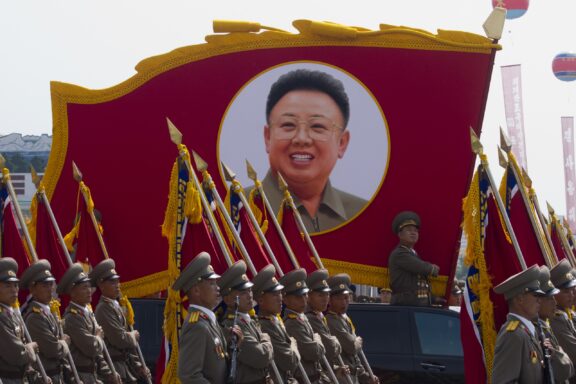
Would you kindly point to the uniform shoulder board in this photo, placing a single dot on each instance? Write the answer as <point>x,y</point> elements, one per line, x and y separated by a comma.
<point>194,316</point>
<point>74,311</point>
<point>36,309</point>
<point>230,316</point>
<point>292,316</point>
<point>512,325</point>
<point>203,315</point>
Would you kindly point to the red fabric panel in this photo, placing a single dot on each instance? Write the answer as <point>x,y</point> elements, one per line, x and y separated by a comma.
<point>296,240</point>
<point>47,244</point>
<point>88,248</point>
<point>250,240</point>
<point>527,237</point>
<point>12,242</point>
<point>474,368</point>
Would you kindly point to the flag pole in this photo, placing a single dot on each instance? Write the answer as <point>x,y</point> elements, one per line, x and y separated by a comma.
<point>288,197</point>
<point>563,240</point>
<point>258,185</point>
<point>237,188</point>
<point>479,150</point>
<point>569,234</point>
<point>87,199</point>
<point>176,138</point>
<point>513,165</point>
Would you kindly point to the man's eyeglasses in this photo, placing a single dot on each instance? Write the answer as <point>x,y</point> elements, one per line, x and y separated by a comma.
<point>318,128</point>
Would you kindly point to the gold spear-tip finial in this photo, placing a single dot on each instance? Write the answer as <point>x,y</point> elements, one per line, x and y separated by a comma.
<point>175,134</point>
<point>550,209</point>
<point>505,141</point>
<point>35,178</point>
<point>76,172</point>
<point>201,165</point>
<point>526,178</point>
<point>475,141</point>
<point>502,158</point>
<point>282,183</point>
<point>252,175</point>
<point>228,174</point>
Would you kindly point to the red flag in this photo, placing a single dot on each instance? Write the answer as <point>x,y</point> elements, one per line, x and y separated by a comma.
<point>47,244</point>
<point>88,247</point>
<point>12,243</point>
<point>199,237</point>
<point>296,238</point>
<point>251,241</point>
<point>557,243</point>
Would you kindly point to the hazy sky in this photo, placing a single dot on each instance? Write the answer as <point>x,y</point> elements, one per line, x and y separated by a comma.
<point>96,44</point>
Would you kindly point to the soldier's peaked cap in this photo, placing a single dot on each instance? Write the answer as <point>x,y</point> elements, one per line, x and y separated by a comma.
<point>104,270</point>
<point>73,276</point>
<point>37,272</point>
<point>198,269</point>
<point>234,279</point>
<point>295,282</point>
<point>545,284</point>
<point>8,270</point>
<point>522,282</point>
<point>265,281</point>
<point>562,276</point>
<point>340,283</point>
<point>404,219</point>
<point>317,281</point>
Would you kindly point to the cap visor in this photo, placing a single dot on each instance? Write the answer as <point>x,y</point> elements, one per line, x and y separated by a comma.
<point>323,289</point>
<point>243,286</point>
<point>276,288</point>
<point>49,278</point>
<point>299,292</point>
<point>11,280</point>
<point>211,276</point>
<point>552,292</point>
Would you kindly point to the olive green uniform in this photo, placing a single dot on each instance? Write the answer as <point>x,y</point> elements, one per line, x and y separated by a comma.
<point>14,359</point>
<point>202,357</point>
<point>120,341</point>
<point>285,357</point>
<point>336,206</point>
<point>562,366</point>
<point>310,346</point>
<point>409,277</point>
<point>320,326</point>
<point>256,351</point>
<point>342,327</point>
<point>44,329</point>
<point>518,357</point>
<point>565,333</point>
<point>86,348</point>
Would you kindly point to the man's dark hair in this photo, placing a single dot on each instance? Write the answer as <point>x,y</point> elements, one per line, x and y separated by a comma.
<point>305,79</point>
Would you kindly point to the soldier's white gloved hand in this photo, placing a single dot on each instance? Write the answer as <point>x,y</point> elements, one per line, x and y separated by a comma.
<point>31,349</point>
<point>66,338</point>
<point>294,346</point>
<point>337,346</point>
<point>358,343</point>
<point>266,337</point>
<point>134,336</point>
<point>64,345</point>
<point>99,332</point>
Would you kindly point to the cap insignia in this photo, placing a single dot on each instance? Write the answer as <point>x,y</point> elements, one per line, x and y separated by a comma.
<point>244,277</point>
<point>569,276</point>
<point>210,269</point>
<point>341,286</point>
<point>298,284</point>
<point>324,283</point>
<point>113,271</point>
<point>274,280</point>
<point>11,273</point>
<point>82,275</point>
<point>47,272</point>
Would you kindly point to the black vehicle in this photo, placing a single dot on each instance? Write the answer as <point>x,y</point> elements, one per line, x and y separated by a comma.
<point>402,344</point>
<point>410,344</point>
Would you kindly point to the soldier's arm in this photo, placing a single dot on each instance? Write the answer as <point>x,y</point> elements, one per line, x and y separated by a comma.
<point>254,353</point>
<point>13,351</point>
<point>561,365</point>
<point>347,340</point>
<point>508,355</point>
<point>114,332</point>
<point>39,329</point>
<point>193,347</point>
<point>563,331</point>
<point>284,356</point>
<point>331,343</point>
<point>310,349</point>
<point>87,343</point>
<point>413,264</point>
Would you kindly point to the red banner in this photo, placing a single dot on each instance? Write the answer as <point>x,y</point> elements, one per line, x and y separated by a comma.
<point>413,98</point>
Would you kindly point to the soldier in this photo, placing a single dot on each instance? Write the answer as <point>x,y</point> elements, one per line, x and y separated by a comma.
<point>408,273</point>
<point>16,356</point>
<point>342,327</point>
<point>256,354</point>
<point>561,323</point>
<point>518,356</point>
<point>85,334</point>
<point>120,340</point>
<point>268,294</point>
<point>202,357</point>
<point>297,325</point>
<point>318,299</point>
<point>43,326</point>
<point>561,364</point>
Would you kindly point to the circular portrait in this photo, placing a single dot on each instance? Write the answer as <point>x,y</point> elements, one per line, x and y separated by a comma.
<point>318,127</point>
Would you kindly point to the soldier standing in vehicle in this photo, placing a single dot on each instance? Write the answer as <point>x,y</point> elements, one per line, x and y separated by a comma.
<point>342,327</point>
<point>120,341</point>
<point>256,354</point>
<point>268,294</point>
<point>16,356</point>
<point>409,274</point>
<point>518,355</point>
<point>43,325</point>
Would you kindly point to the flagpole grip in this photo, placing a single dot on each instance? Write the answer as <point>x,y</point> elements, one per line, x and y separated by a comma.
<point>55,225</point>
<point>24,227</point>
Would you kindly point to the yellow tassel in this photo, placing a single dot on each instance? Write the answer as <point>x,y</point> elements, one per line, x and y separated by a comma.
<point>475,256</point>
<point>261,217</point>
<point>55,308</point>
<point>33,219</point>
<point>128,310</point>
<point>192,204</point>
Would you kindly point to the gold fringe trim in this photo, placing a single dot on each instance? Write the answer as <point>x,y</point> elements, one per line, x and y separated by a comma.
<point>129,311</point>
<point>261,216</point>
<point>475,256</point>
<point>146,285</point>
<point>33,219</point>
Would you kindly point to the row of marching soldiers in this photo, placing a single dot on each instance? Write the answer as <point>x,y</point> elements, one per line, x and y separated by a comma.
<point>314,341</point>
<point>36,346</point>
<point>537,343</point>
